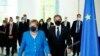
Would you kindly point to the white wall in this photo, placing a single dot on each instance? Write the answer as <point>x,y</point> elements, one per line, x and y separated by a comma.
<point>67,8</point>
<point>97,2</point>
<point>29,7</point>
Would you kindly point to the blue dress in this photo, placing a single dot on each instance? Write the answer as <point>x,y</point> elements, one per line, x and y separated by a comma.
<point>34,46</point>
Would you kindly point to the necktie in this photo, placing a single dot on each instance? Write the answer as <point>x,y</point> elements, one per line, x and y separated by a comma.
<point>10,29</point>
<point>18,24</point>
<point>77,26</point>
<point>57,32</point>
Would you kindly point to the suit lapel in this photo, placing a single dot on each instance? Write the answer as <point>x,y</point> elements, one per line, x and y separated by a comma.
<point>62,30</point>
<point>54,32</point>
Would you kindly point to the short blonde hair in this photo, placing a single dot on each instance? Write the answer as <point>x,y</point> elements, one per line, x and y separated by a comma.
<point>34,21</point>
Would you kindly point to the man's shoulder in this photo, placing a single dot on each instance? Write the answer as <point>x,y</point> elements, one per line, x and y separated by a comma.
<point>52,27</point>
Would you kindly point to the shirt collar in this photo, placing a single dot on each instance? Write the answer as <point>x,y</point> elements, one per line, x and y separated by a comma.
<point>58,26</point>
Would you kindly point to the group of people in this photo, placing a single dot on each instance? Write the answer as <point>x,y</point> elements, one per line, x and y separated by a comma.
<point>40,38</point>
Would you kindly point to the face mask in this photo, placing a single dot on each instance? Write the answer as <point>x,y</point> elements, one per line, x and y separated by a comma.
<point>11,22</point>
<point>23,20</point>
<point>78,18</point>
<point>57,23</point>
<point>65,20</point>
<point>25,17</point>
<point>32,28</point>
<point>17,20</point>
<point>41,22</point>
<point>48,22</point>
<point>4,24</point>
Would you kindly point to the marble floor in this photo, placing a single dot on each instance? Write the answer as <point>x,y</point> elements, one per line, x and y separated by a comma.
<point>4,53</point>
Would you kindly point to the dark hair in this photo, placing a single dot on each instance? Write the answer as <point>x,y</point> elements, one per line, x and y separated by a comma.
<point>22,18</point>
<point>49,18</point>
<point>17,17</point>
<point>4,21</point>
<point>41,20</point>
<point>11,17</point>
<point>58,16</point>
<point>78,15</point>
<point>24,15</point>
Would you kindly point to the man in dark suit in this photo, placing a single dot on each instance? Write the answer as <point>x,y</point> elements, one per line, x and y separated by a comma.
<point>6,19</point>
<point>76,34</point>
<point>65,23</point>
<point>48,24</point>
<point>26,20</point>
<point>18,29</point>
<point>57,36</point>
<point>23,26</point>
<point>3,35</point>
<point>11,36</point>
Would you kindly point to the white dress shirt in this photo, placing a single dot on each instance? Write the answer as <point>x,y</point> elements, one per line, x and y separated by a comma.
<point>65,23</point>
<point>57,29</point>
<point>34,36</point>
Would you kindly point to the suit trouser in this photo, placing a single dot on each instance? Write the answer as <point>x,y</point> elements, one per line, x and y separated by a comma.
<point>19,40</point>
<point>11,43</point>
<point>76,49</point>
<point>58,52</point>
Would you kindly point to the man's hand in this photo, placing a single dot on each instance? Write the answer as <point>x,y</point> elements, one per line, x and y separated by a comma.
<point>2,32</point>
<point>10,37</point>
<point>68,50</point>
<point>49,55</point>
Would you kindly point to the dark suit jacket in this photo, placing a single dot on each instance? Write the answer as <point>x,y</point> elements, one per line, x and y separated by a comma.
<point>68,25</point>
<point>76,36</point>
<point>46,24</point>
<point>41,26</point>
<point>46,29</point>
<point>3,29</point>
<point>23,27</point>
<point>14,31</point>
<point>57,46</point>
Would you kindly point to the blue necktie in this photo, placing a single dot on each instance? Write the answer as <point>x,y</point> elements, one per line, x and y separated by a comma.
<point>77,26</point>
<point>57,32</point>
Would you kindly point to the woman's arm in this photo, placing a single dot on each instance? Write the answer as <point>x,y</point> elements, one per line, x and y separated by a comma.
<point>22,47</point>
<point>46,46</point>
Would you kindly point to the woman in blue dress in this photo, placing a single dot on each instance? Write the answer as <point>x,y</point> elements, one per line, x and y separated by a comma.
<point>34,42</point>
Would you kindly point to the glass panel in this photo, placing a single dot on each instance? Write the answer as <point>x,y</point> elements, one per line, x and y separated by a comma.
<point>3,2</point>
<point>48,8</point>
<point>7,8</point>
